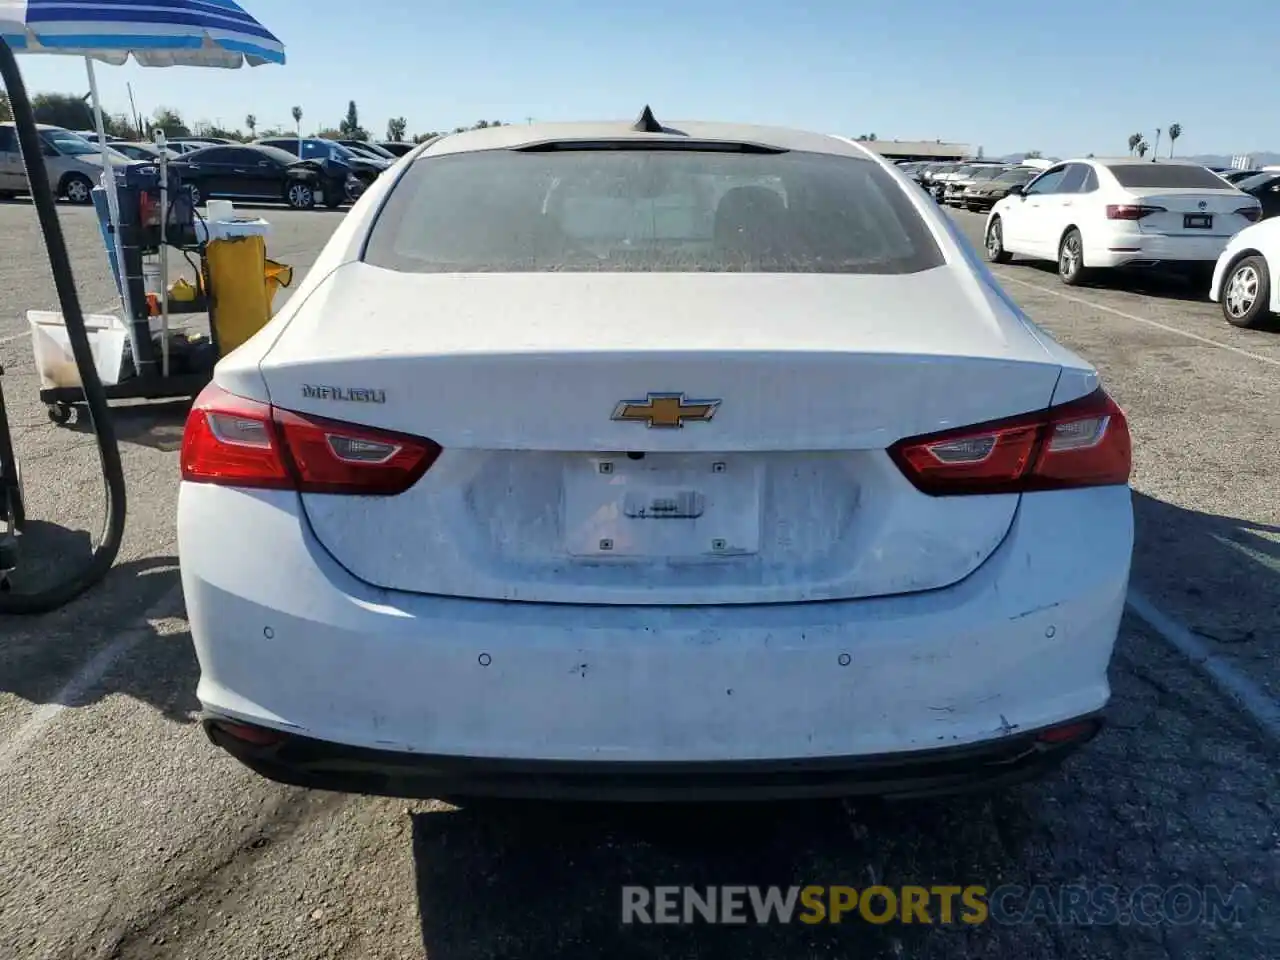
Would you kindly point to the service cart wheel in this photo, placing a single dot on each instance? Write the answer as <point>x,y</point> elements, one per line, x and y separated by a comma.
<point>60,413</point>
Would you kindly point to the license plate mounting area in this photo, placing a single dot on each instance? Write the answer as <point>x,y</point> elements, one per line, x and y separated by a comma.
<point>662,506</point>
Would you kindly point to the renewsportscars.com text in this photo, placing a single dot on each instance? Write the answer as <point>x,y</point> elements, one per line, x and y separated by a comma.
<point>939,904</point>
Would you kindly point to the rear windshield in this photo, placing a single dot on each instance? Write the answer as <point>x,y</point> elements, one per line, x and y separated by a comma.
<point>640,210</point>
<point>1172,175</point>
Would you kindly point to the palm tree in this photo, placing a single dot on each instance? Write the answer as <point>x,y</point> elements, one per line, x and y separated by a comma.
<point>297,120</point>
<point>1134,140</point>
<point>1143,147</point>
<point>1155,152</point>
<point>252,123</point>
<point>1175,131</point>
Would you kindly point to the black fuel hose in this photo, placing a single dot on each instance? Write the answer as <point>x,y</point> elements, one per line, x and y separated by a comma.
<point>104,554</point>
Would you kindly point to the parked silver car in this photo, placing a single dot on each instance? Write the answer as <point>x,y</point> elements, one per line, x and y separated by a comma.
<point>73,163</point>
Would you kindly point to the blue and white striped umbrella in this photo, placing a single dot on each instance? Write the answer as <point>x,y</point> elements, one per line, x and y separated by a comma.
<point>157,33</point>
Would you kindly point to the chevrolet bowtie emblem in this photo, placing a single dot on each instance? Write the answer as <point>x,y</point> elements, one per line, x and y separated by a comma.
<point>665,410</point>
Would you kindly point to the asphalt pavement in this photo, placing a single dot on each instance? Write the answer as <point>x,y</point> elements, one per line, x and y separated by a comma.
<point>126,835</point>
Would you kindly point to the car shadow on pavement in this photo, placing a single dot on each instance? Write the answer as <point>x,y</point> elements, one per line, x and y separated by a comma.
<point>1218,575</point>
<point>152,662</point>
<point>158,424</point>
<point>531,880</point>
<point>1142,283</point>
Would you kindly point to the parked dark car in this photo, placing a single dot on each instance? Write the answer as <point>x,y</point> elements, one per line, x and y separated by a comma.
<point>983,194</point>
<point>340,161</point>
<point>141,150</point>
<point>1235,176</point>
<point>203,141</point>
<point>261,173</point>
<point>965,177</point>
<point>397,148</point>
<point>370,150</point>
<point>182,147</point>
<point>1265,188</point>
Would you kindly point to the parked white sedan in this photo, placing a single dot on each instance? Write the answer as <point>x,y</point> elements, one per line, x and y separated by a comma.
<point>612,460</point>
<point>1242,281</point>
<point>1089,214</point>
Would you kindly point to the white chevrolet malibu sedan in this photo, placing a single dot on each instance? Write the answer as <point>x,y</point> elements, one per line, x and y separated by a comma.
<point>632,461</point>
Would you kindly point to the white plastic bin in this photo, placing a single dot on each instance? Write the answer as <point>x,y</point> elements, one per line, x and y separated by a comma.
<point>51,345</point>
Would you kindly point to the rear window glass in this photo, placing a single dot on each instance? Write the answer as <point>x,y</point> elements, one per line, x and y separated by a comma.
<point>643,210</point>
<point>1172,175</point>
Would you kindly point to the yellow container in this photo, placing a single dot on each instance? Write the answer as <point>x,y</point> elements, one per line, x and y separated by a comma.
<point>242,282</point>
<point>278,275</point>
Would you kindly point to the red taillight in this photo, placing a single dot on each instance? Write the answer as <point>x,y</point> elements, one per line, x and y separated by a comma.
<point>243,443</point>
<point>1131,211</point>
<point>1084,443</point>
<point>1252,214</point>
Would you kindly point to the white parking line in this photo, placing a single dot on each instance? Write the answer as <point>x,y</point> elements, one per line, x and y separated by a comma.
<point>1250,697</point>
<point>1136,319</point>
<point>84,681</point>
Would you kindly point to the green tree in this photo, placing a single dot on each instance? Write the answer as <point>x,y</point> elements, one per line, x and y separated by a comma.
<point>6,112</point>
<point>331,133</point>
<point>170,121</point>
<point>1134,140</point>
<point>63,110</point>
<point>395,129</point>
<point>120,125</point>
<point>1033,155</point>
<point>424,137</point>
<point>350,125</point>
<point>252,123</point>
<point>1143,147</point>
<point>1175,131</point>
<point>297,121</point>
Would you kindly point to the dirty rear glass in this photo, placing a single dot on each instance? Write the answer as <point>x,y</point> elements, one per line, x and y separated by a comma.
<point>639,210</point>
<point>1173,176</point>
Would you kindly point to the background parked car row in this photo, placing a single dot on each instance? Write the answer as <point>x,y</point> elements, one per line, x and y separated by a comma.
<point>299,172</point>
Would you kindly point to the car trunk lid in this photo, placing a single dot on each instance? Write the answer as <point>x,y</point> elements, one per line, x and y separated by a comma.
<point>1195,213</point>
<point>551,488</point>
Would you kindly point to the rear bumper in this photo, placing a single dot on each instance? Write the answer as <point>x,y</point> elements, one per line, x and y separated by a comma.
<point>289,641</point>
<point>304,762</point>
<point>1153,250</point>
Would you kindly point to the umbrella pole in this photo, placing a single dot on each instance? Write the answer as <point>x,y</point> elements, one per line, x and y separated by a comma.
<point>113,203</point>
<point>164,261</point>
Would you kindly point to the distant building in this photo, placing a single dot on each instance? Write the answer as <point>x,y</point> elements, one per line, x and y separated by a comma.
<point>919,149</point>
<point>1242,163</point>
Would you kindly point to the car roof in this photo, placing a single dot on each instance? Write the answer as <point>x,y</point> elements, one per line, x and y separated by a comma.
<point>41,126</point>
<point>509,136</point>
<point>1121,161</point>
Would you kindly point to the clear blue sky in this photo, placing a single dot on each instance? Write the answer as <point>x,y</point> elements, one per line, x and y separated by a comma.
<point>1061,78</point>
